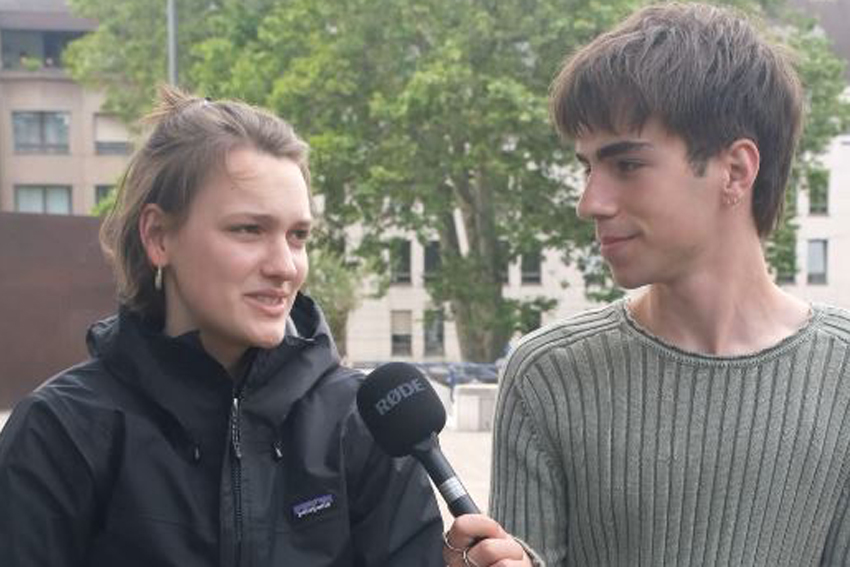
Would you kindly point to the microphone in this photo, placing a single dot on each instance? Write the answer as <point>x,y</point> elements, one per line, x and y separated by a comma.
<point>404,415</point>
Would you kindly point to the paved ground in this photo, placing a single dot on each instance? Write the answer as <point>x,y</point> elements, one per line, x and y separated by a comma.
<point>468,452</point>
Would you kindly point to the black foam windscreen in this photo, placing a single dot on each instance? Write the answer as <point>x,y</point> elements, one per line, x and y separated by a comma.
<point>400,407</point>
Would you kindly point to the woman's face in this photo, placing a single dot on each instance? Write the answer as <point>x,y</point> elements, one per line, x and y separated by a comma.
<point>232,270</point>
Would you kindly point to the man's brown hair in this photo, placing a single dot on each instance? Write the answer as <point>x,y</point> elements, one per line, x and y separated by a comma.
<point>706,74</point>
<point>190,140</point>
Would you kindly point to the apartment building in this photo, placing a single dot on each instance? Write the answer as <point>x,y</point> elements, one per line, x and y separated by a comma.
<point>59,153</point>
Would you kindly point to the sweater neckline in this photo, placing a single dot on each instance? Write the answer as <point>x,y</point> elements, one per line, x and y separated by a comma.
<point>749,359</point>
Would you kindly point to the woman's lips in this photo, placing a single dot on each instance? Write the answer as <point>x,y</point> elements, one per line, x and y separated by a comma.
<point>273,304</point>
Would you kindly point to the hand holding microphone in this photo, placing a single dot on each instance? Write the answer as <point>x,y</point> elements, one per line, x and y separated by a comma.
<point>405,415</point>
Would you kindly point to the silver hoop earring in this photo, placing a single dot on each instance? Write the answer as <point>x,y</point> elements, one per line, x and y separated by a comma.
<point>157,279</point>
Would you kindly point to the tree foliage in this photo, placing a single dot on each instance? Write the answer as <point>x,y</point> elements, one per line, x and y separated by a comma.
<point>424,116</point>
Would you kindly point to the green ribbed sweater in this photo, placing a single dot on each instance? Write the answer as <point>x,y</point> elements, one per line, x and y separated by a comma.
<point>613,448</point>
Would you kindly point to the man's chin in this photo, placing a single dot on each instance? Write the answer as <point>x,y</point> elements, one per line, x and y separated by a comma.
<point>627,281</point>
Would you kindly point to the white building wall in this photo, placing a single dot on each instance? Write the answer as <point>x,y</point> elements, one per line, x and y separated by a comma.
<point>833,226</point>
<point>369,336</point>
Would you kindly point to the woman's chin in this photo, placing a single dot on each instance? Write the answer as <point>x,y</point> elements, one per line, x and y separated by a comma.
<point>268,340</point>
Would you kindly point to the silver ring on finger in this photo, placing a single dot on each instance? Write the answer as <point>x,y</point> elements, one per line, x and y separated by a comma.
<point>450,547</point>
<point>467,560</point>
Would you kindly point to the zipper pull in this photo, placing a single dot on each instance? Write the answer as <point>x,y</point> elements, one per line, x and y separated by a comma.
<point>234,429</point>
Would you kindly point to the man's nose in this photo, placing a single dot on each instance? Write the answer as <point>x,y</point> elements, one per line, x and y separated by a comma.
<point>598,199</point>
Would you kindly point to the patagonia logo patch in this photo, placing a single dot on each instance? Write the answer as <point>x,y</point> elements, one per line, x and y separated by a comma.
<point>313,507</point>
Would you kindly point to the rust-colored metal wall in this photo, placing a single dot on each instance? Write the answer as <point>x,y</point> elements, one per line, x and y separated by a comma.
<point>54,283</point>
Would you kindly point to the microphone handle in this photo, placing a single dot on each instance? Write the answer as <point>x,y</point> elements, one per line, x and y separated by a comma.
<point>438,468</point>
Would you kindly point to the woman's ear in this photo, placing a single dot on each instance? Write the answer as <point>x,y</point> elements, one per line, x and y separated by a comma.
<point>742,168</point>
<point>153,229</point>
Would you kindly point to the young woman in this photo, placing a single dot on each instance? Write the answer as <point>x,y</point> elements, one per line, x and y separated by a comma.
<point>213,424</point>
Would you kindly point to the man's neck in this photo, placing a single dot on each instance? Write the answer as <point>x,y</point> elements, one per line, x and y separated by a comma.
<point>731,310</point>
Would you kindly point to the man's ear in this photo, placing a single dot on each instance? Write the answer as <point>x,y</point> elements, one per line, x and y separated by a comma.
<point>742,167</point>
<point>153,229</point>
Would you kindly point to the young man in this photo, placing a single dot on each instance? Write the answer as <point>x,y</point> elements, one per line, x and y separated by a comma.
<point>705,420</point>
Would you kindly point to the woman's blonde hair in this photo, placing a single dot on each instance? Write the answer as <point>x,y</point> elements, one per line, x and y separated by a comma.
<point>189,140</point>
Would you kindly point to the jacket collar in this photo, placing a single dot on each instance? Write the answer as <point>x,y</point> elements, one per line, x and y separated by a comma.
<point>179,377</point>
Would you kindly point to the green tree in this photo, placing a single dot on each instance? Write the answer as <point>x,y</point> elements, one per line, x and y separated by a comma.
<point>127,56</point>
<point>431,117</point>
<point>337,286</point>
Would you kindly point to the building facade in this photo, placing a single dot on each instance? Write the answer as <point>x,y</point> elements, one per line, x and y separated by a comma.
<point>823,238</point>
<point>58,152</point>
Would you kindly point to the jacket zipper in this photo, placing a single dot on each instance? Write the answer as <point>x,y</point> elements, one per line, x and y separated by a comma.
<point>236,476</point>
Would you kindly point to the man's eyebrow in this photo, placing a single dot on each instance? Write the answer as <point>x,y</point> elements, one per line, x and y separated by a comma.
<point>615,149</point>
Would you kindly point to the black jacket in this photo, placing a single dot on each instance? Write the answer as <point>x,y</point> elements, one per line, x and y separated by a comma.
<point>150,454</point>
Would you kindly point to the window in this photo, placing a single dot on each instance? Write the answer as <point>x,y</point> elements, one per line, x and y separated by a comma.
<point>502,260</point>
<point>401,323</point>
<point>101,192</point>
<point>817,261</point>
<point>34,50</point>
<point>531,263</point>
<point>110,136</point>
<point>400,261</point>
<point>432,260</point>
<point>41,132</point>
<point>819,198</point>
<point>434,336</point>
<point>50,199</point>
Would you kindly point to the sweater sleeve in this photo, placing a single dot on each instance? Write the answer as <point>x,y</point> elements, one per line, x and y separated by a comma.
<point>47,491</point>
<point>527,491</point>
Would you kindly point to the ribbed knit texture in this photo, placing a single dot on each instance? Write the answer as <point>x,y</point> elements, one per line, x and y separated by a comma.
<point>613,448</point>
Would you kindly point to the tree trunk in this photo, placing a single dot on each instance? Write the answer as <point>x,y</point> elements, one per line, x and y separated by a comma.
<point>479,309</point>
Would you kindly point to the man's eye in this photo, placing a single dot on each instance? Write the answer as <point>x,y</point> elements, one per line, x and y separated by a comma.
<point>301,235</point>
<point>628,166</point>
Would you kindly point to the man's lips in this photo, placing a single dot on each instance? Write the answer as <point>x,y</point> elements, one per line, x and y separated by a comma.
<point>608,241</point>
<point>609,244</point>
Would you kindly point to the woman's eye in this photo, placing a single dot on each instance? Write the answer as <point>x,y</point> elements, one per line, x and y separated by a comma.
<point>246,229</point>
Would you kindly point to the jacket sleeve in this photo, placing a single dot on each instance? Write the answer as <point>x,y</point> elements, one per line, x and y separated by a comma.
<point>46,490</point>
<point>395,521</point>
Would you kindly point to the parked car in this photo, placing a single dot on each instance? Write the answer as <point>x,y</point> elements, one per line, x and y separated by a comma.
<point>478,372</point>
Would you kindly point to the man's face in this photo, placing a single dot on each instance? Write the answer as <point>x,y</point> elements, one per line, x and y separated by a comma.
<point>656,219</point>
